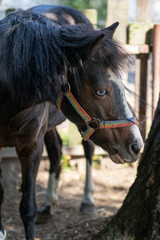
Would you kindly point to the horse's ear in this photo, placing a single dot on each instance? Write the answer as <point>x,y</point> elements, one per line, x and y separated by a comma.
<point>89,51</point>
<point>97,44</point>
<point>111,29</point>
<point>91,48</point>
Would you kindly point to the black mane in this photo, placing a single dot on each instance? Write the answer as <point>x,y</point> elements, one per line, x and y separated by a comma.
<point>34,53</point>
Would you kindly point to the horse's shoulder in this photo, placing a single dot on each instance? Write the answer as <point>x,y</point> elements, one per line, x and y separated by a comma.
<point>29,119</point>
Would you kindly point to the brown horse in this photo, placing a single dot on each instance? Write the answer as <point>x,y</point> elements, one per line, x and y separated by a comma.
<point>41,61</point>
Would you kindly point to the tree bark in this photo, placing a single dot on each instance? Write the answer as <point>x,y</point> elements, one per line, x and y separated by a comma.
<point>139,216</point>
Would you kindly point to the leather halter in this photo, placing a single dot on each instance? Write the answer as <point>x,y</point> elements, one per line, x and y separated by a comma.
<point>92,124</point>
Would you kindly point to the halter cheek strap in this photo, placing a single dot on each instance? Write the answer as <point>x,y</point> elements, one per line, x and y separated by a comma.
<point>93,124</point>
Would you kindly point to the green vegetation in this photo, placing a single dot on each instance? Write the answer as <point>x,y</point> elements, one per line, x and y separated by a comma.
<point>65,163</point>
<point>96,163</point>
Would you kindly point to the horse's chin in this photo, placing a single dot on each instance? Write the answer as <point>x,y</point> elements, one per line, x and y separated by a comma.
<point>116,158</point>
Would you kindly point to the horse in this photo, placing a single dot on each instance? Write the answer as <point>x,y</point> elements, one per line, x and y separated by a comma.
<point>64,15</point>
<point>77,69</point>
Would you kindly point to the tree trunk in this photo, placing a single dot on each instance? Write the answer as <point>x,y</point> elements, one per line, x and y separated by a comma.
<point>139,216</point>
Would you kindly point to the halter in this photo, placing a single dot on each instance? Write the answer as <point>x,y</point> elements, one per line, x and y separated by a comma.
<point>92,123</point>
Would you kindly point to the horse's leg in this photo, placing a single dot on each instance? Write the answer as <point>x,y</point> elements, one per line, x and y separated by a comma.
<point>29,156</point>
<point>54,145</point>
<point>2,230</point>
<point>54,148</point>
<point>87,205</point>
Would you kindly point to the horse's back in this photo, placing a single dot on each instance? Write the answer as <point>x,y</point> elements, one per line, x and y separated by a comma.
<point>62,15</point>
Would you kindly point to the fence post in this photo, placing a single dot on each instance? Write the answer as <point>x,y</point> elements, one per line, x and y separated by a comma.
<point>137,85</point>
<point>144,65</point>
<point>143,16</point>
<point>144,11</point>
<point>156,67</point>
<point>118,11</point>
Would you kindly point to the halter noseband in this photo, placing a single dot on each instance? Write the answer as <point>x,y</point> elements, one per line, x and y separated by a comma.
<point>92,123</point>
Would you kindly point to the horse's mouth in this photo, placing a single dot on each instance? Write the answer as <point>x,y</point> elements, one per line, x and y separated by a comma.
<point>119,157</point>
<point>116,158</point>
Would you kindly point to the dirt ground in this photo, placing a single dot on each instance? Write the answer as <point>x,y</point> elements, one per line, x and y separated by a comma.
<point>111,185</point>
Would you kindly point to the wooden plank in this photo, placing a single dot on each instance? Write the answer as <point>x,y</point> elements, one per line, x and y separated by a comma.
<point>74,151</point>
<point>137,49</point>
<point>117,10</point>
<point>140,33</point>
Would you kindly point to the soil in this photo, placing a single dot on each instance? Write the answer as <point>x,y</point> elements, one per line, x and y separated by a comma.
<point>111,186</point>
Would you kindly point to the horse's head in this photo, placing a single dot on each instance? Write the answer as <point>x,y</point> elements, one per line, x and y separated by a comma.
<point>105,100</point>
<point>101,95</point>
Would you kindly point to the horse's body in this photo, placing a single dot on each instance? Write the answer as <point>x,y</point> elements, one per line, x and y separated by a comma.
<point>37,59</point>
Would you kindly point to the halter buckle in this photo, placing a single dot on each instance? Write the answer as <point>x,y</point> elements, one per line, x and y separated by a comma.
<point>94,123</point>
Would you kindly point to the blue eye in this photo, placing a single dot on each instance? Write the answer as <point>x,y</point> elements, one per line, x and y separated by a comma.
<point>101,93</point>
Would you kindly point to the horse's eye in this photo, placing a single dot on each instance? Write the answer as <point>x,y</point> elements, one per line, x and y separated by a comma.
<point>101,92</point>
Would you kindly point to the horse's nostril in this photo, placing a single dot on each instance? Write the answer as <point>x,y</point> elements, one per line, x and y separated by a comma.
<point>135,148</point>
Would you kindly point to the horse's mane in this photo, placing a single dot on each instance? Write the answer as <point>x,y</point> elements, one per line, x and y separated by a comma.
<point>34,53</point>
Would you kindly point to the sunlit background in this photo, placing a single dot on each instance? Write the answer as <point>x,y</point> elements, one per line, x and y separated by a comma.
<point>100,5</point>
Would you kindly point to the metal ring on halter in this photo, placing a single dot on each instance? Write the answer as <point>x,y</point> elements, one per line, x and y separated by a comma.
<point>94,123</point>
